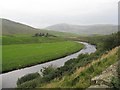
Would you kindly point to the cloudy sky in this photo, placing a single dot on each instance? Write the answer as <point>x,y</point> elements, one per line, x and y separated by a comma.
<point>42,13</point>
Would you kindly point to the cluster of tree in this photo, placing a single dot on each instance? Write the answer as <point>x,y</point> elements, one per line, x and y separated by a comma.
<point>106,42</point>
<point>41,34</point>
<point>112,41</point>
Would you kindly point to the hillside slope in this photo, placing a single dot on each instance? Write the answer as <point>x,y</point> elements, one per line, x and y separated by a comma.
<point>10,27</point>
<point>104,79</point>
<point>85,29</point>
<point>82,77</point>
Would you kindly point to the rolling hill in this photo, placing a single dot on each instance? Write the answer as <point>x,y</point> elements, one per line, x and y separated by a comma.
<point>10,28</point>
<point>103,29</point>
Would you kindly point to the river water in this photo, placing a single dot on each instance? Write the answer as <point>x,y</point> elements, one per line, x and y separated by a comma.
<point>9,79</point>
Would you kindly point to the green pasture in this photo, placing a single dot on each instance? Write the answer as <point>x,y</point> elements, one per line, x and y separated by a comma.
<point>28,39</point>
<point>17,56</point>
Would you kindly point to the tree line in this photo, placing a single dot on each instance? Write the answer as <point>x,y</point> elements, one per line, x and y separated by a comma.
<point>41,35</point>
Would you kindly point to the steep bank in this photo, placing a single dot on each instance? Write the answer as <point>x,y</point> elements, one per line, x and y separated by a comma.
<point>82,77</point>
<point>105,78</point>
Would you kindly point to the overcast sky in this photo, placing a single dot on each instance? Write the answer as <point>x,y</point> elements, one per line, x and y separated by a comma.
<point>42,13</point>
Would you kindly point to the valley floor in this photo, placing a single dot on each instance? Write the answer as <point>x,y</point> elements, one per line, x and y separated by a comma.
<point>18,56</point>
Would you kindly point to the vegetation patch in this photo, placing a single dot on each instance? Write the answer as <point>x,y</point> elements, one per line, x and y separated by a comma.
<point>28,77</point>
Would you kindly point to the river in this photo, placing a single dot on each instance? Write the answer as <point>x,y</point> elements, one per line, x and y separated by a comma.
<point>9,79</point>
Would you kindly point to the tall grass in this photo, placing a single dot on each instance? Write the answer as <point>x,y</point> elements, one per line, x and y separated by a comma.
<point>81,78</point>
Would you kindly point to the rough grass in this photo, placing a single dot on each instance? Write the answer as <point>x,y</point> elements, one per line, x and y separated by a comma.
<point>22,55</point>
<point>82,76</point>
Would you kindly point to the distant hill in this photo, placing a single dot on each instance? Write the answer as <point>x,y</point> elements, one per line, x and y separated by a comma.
<point>10,27</point>
<point>85,30</point>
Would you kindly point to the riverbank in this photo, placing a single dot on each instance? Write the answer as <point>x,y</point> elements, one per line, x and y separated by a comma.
<point>83,77</point>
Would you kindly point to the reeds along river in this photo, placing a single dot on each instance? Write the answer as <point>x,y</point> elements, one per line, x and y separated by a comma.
<point>9,79</point>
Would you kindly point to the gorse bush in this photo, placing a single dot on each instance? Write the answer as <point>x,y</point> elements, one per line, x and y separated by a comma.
<point>28,77</point>
<point>115,82</point>
<point>46,70</point>
<point>112,41</point>
<point>31,84</point>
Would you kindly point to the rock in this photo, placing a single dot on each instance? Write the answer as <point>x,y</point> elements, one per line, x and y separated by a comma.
<point>98,86</point>
<point>104,79</point>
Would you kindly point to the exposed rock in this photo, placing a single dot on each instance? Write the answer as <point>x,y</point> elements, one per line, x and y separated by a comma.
<point>98,86</point>
<point>104,79</point>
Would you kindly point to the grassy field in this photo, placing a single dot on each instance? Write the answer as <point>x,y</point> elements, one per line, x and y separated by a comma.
<point>21,55</point>
<point>28,39</point>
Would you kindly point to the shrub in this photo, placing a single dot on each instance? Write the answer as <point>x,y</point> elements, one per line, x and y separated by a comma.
<point>46,70</point>
<point>31,84</point>
<point>27,77</point>
<point>115,82</point>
